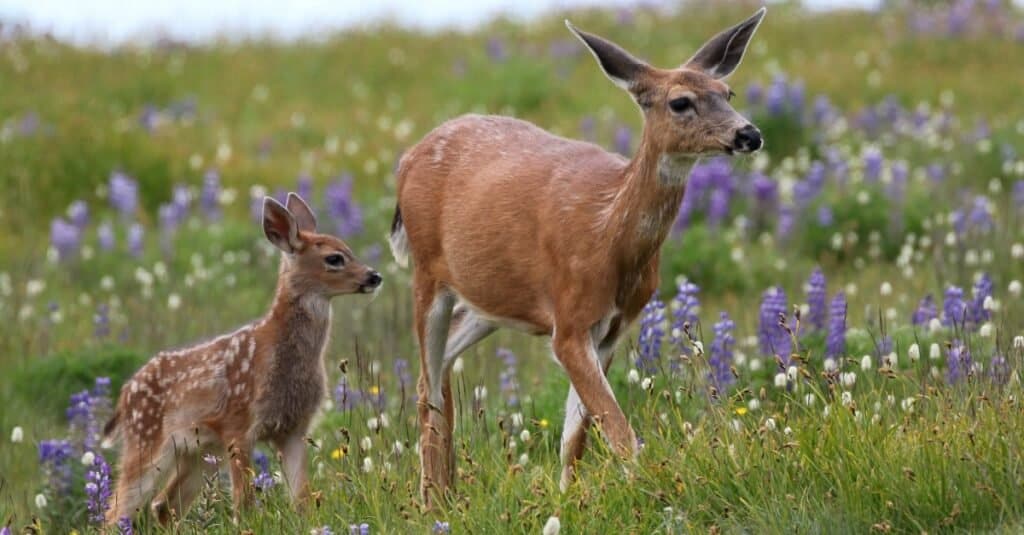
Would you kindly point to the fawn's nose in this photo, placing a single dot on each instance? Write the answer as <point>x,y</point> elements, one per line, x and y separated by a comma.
<point>373,280</point>
<point>748,139</point>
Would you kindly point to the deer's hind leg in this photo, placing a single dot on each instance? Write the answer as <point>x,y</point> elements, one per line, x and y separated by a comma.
<point>143,467</point>
<point>432,312</point>
<point>190,473</point>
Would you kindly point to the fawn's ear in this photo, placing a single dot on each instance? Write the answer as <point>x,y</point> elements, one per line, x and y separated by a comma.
<point>303,215</point>
<point>280,227</point>
<point>618,65</point>
<point>723,52</point>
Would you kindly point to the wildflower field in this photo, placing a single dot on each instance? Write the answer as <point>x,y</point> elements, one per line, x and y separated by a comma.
<point>836,345</point>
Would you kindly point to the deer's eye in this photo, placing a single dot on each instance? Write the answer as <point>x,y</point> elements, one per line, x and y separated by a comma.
<point>335,260</point>
<point>681,104</point>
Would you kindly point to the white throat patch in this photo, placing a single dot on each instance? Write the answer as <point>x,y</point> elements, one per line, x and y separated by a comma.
<point>673,169</point>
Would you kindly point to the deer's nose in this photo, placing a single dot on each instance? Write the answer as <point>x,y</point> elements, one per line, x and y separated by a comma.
<point>748,139</point>
<point>373,279</point>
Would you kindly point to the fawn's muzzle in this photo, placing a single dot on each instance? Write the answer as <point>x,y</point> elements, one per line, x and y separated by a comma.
<point>748,139</point>
<point>372,281</point>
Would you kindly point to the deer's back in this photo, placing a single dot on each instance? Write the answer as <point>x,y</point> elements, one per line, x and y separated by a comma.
<point>494,201</point>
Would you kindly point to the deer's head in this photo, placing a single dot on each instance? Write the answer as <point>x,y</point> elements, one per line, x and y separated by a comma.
<point>314,263</point>
<point>686,110</point>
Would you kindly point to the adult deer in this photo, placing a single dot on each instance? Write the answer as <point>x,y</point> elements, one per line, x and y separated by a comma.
<point>264,381</point>
<point>509,225</point>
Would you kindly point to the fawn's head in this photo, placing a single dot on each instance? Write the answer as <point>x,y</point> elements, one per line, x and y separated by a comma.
<point>313,263</point>
<point>686,110</point>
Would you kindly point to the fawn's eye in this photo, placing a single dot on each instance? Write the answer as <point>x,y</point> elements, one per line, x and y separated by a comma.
<point>335,260</point>
<point>681,104</point>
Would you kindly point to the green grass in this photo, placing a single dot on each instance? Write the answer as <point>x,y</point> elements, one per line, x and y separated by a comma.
<point>354,102</point>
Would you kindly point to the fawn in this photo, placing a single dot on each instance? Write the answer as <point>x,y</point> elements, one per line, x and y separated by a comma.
<point>263,381</point>
<point>509,225</point>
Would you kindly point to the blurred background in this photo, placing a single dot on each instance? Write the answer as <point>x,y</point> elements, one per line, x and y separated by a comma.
<point>137,140</point>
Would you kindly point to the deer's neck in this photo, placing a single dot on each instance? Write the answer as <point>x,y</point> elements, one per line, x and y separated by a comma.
<point>645,207</point>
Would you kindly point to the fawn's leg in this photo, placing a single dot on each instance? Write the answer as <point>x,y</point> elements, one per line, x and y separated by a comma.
<point>174,501</point>
<point>293,461</point>
<point>142,468</point>
<point>240,461</point>
<point>433,310</point>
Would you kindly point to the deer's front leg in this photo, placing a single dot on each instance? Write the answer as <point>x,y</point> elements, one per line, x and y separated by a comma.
<point>240,460</point>
<point>576,352</point>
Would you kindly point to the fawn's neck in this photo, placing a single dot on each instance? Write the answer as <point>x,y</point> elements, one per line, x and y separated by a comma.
<point>300,320</point>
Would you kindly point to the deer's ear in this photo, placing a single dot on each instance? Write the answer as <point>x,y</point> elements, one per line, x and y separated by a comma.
<point>303,214</point>
<point>618,65</point>
<point>280,227</point>
<point>723,52</point>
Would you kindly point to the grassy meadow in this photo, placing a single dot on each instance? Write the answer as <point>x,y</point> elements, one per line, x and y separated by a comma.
<point>883,224</point>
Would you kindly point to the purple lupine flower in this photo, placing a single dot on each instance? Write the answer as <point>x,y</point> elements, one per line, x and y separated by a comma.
<point>105,236</point>
<point>123,193</point>
<point>652,319</point>
<point>980,217</point>
<point>797,96</point>
<point>773,339</point>
<point>343,208</point>
<point>776,96</point>
<point>786,222</point>
<point>1018,194</point>
<point>55,458</point>
<point>822,110</point>
<point>954,310</point>
<point>718,207</point>
<point>999,369</point>
<point>372,254</point>
<point>304,187</point>
<point>345,397</point>
<point>149,118</point>
<point>101,321</point>
<point>754,94</point>
<point>817,298</point>
<point>873,161</point>
<point>124,526</point>
<point>685,306</point>
<point>835,341</point>
<point>65,238</point>
<point>507,377</point>
<point>78,214</point>
<point>721,354</point>
<point>925,312</point>
<point>359,529</point>
<point>958,362</point>
<point>824,216</point>
<point>136,234</point>
<point>324,530</point>
<point>765,190</point>
<point>496,50</point>
<point>209,196</point>
<point>623,140</point>
<point>936,172</point>
<point>97,489</point>
<point>441,528</point>
<point>976,312</point>
<point>401,368</point>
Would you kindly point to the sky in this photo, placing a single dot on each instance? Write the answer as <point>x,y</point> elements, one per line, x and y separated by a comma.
<point>116,21</point>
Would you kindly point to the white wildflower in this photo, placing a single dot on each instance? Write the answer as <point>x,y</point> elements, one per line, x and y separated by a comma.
<point>865,362</point>
<point>935,352</point>
<point>524,436</point>
<point>907,404</point>
<point>914,353</point>
<point>647,383</point>
<point>173,301</point>
<point>986,330</point>
<point>373,424</point>
<point>552,526</point>
<point>33,288</point>
<point>1018,342</point>
<point>769,424</point>
<point>780,380</point>
<point>809,400</point>
<point>41,501</point>
<point>398,447</point>
<point>480,393</point>
<point>88,458</point>
<point>890,360</point>
<point>754,404</point>
<point>633,377</point>
<point>792,373</point>
<point>934,325</point>
<point>17,435</point>
<point>367,464</point>
<point>848,379</point>
<point>831,365</point>
<point>886,289</point>
<point>1015,288</point>
<point>457,365</point>
<point>846,398</point>
<point>366,443</point>
<point>787,431</point>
